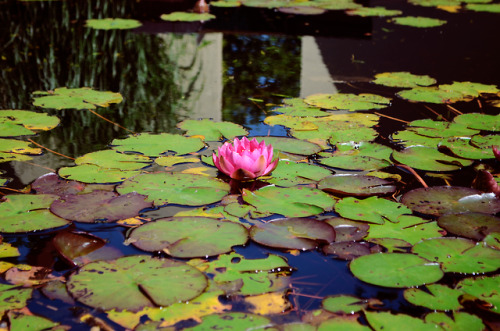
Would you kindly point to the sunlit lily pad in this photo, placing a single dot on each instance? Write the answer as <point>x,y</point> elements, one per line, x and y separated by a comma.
<point>72,245</point>
<point>155,144</point>
<point>7,250</point>
<point>13,298</point>
<point>485,142</point>
<point>7,157</point>
<point>112,159</point>
<point>351,102</point>
<point>356,185</point>
<point>113,23</point>
<point>483,288</point>
<point>457,321</point>
<point>189,236</point>
<point>297,107</point>
<point>372,209</point>
<point>293,233</point>
<point>409,138</point>
<point>187,17</point>
<point>395,270</point>
<point>470,225</point>
<point>440,129</point>
<point>342,322</point>
<point>99,206</point>
<point>344,304</point>
<point>290,145</point>
<point>448,93</point>
<point>362,156</point>
<point>403,79</point>
<point>26,213</point>
<point>134,282</point>
<point>301,10</point>
<point>22,122</point>
<point>479,121</point>
<point>464,149</point>
<point>430,159</point>
<point>385,320</point>
<point>20,321</point>
<point>212,131</point>
<point>91,173</point>
<point>18,147</point>
<point>418,21</point>
<point>484,7</point>
<point>75,98</point>
<point>435,297</point>
<point>459,255</point>
<point>171,160</point>
<point>298,201</point>
<point>163,188</point>
<point>374,11</point>
<point>289,173</point>
<point>440,200</point>
<point>232,321</point>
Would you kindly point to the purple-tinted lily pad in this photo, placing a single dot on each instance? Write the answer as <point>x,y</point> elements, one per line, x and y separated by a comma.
<point>470,225</point>
<point>356,185</point>
<point>99,206</point>
<point>51,183</point>
<point>347,230</point>
<point>347,250</point>
<point>440,200</point>
<point>293,233</point>
<point>72,244</point>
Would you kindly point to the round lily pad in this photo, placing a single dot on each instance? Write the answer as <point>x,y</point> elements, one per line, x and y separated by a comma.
<point>356,185</point>
<point>187,17</point>
<point>372,209</point>
<point>187,189</point>
<point>212,131</point>
<point>293,233</point>
<point>479,121</point>
<point>483,288</point>
<point>459,255</point>
<point>115,160</point>
<point>435,297</point>
<point>347,250</point>
<point>113,23</point>
<point>351,102</point>
<point>290,145</point>
<point>395,270</point>
<point>387,321</point>
<point>470,225</point>
<point>91,173</point>
<point>425,158</point>
<point>155,144</point>
<point>289,173</point>
<point>347,230</point>
<point>189,236</point>
<point>343,304</point>
<point>15,122</point>
<point>53,184</point>
<point>440,200</point>
<point>403,79</point>
<point>75,98</point>
<point>418,21</point>
<point>232,321</point>
<point>99,206</point>
<point>134,282</point>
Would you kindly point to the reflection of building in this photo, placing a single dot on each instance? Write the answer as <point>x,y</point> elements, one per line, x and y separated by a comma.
<point>314,75</point>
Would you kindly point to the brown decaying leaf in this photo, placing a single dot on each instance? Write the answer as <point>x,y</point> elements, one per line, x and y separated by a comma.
<point>33,276</point>
<point>485,182</point>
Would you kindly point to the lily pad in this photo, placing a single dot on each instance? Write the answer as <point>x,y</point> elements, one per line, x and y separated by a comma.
<point>297,107</point>
<point>13,298</point>
<point>72,245</point>
<point>362,156</point>
<point>440,129</point>
<point>356,185</point>
<point>187,189</point>
<point>75,98</point>
<point>290,145</point>
<point>113,159</point>
<point>479,121</point>
<point>403,79</point>
<point>409,138</point>
<point>457,321</point>
<point>187,17</point>
<point>26,213</point>
<point>440,200</point>
<point>18,147</point>
<point>15,122</point>
<point>289,173</point>
<point>387,321</point>
<point>430,159</point>
<point>113,23</point>
<point>351,102</point>
<point>374,11</point>
<point>298,201</point>
<point>464,149</point>
<point>212,131</point>
<point>418,21</point>
<point>91,173</point>
<point>99,206</point>
<point>459,255</point>
<point>484,7</point>
<point>347,230</point>
<point>293,233</point>
<point>155,144</point>
<point>470,225</point>
<point>483,288</point>
<point>189,236</point>
<point>346,304</point>
<point>134,282</point>
<point>232,321</point>
<point>435,297</point>
<point>372,209</point>
<point>51,183</point>
<point>395,270</point>
<point>347,250</point>
<point>20,321</point>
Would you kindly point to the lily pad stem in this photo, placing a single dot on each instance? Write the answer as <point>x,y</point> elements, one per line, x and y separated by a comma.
<point>392,118</point>
<point>110,121</point>
<point>436,113</point>
<point>414,173</point>
<point>456,111</point>
<point>68,157</point>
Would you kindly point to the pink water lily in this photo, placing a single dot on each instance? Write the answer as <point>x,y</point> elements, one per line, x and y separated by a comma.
<point>245,159</point>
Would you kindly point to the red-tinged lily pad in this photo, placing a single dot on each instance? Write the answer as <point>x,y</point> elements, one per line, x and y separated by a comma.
<point>347,250</point>
<point>188,237</point>
<point>356,185</point>
<point>395,270</point>
<point>293,233</point>
<point>76,244</point>
<point>440,200</point>
<point>99,206</point>
<point>26,213</point>
<point>51,183</point>
<point>134,282</point>
<point>470,225</point>
<point>347,230</point>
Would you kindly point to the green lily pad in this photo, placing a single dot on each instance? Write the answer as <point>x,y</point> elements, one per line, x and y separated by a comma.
<point>395,270</point>
<point>289,173</point>
<point>189,236</point>
<point>435,297</point>
<point>134,282</point>
<point>99,206</point>
<point>26,213</point>
<point>464,149</point>
<point>8,157</point>
<point>155,144</point>
<point>351,102</point>
<point>391,244</point>
<point>112,23</point>
<point>18,147</point>
<point>187,189</point>
<point>298,201</point>
<point>409,138</point>
<point>469,88</point>
<point>431,95</point>
<point>113,159</point>
<point>7,250</point>
<point>301,10</point>
<point>13,298</point>
<point>232,321</point>
<point>187,17</point>
<point>479,121</point>
<point>170,161</point>
<point>418,21</point>
<point>485,142</point>
<point>440,200</point>
<point>292,233</point>
<point>344,304</point>
<point>91,173</point>
<point>457,321</point>
<point>20,321</point>
<point>470,225</point>
<point>290,145</point>
<point>356,185</point>
<point>342,323</point>
<point>374,11</point>
<point>430,159</point>
<point>362,156</point>
<point>387,321</point>
<point>212,131</point>
<point>75,98</point>
<point>484,7</point>
<point>297,107</point>
<point>372,209</point>
<point>15,122</point>
<point>493,240</point>
<point>403,79</point>
<point>459,255</point>
<point>440,129</point>
<point>409,228</point>
<point>483,288</point>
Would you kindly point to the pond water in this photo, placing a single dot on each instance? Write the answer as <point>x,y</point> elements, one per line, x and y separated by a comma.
<point>238,68</point>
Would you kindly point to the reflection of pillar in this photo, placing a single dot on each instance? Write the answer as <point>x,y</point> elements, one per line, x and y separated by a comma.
<point>314,75</point>
<point>198,73</point>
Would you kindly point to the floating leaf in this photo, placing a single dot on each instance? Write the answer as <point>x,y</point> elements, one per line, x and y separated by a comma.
<point>268,303</point>
<point>155,144</point>
<point>51,183</point>
<point>289,173</point>
<point>483,288</point>
<point>356,185</point>
<point>362,156</point>
<point>7,250</point>
<point>374,11</point>
<point>163,188</point>
<point>343,323</point>
<point>440,200</point>
<point>347,250</point>
<point>484,7</point>
<point>134,282</point>
<point>293,233</point>
<point>395,270</point>
<point>479,121</point>
<point>435,297</point>
<point>403,79</point>
<point>440,129</point>
<point>430,159</point>
<point>470,225</point>
<point>458,321</point>
<point>187,17</point>
<point>91,173</point>
<point>189,236</point>
<point>72,245</point>
<point>418,21</point>
<point>297,107</point>
<point>212,131</point>
<point>372,209</point>
<point>18,147</point>
<point>409,138</point>
<point>346,304</point>
<point>298,201</point>
<point>290,145</point>
<point>15,122</point>
<point>351,102</point>
<point>20,321</point>
<point>392,322</point>
<point>232,321</point>
<point>112,23</point>
<point>113,159</point>
<point>459,255</point>
<point>464,149</point>
<point>8,157</point>
<point>26,213</point>
<point>169,161</point>
<point>75,98</point>
<point>347,230</point>
<point>13,298</point>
